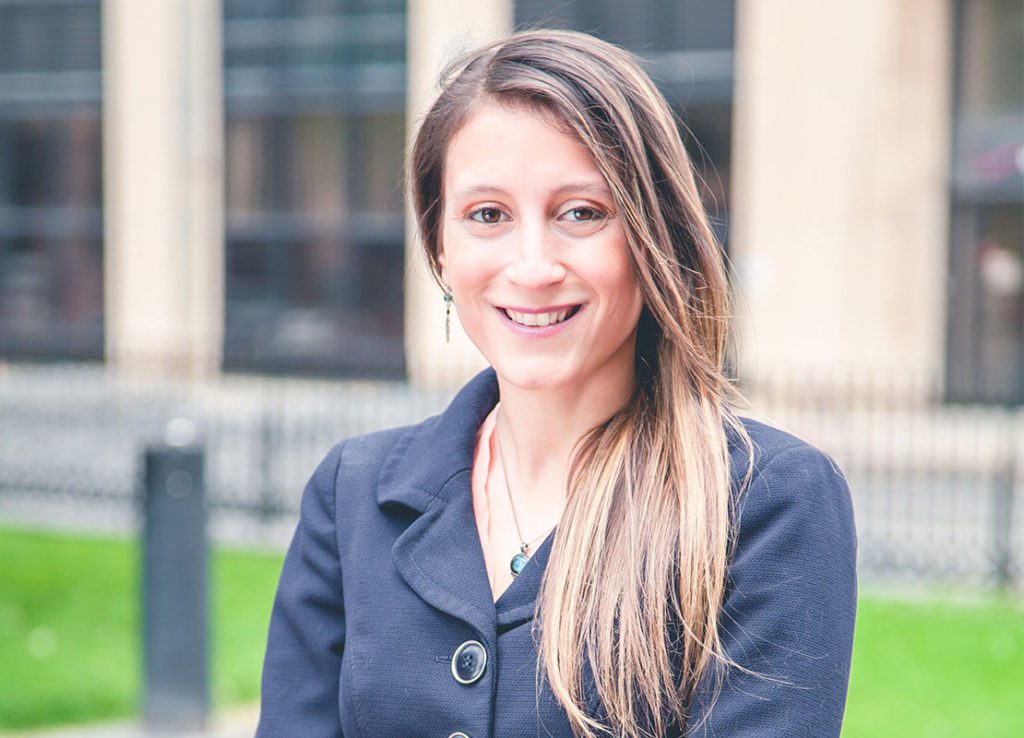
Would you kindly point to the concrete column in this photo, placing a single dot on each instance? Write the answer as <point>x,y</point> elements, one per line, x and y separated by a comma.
<point>163,130</point>
<point>840,169</point>
<point>438,30</point>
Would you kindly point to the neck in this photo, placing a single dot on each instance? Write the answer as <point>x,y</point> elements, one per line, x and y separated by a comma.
<point>540,428</point>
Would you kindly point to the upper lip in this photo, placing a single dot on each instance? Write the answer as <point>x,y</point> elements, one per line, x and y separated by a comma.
<point>549,309</point>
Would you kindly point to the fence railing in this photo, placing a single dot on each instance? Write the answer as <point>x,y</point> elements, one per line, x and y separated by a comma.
<point>937,487</point>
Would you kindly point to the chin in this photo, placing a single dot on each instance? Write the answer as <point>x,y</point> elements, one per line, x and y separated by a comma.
<point>536,375</point>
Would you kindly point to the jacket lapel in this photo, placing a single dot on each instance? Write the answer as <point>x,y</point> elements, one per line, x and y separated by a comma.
<point>429,472</point>
<point>439,557</point>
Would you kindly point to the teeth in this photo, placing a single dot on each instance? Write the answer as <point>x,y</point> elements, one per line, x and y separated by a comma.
<point>537,319</point>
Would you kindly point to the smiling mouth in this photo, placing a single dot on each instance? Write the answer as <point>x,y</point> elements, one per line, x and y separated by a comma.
<point>540,320</point>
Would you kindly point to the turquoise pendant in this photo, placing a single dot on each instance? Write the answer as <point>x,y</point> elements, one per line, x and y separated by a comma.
<point>518,562</point>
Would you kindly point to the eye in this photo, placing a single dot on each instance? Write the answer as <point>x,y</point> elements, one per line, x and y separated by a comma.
<point>584,214</point>
<point>488,216</point>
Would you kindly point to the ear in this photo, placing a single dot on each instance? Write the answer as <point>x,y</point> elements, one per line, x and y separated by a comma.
<point>441,263</point>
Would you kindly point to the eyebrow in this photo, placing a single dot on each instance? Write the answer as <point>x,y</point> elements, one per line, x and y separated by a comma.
<point>586,187</point>
<point>482,189</point>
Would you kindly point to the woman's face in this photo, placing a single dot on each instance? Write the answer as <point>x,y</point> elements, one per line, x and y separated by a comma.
<point>534,251</point>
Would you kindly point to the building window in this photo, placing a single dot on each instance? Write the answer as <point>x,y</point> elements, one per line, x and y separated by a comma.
<point>51,235</point>
<point>315,107</point>
<point>986,311</point>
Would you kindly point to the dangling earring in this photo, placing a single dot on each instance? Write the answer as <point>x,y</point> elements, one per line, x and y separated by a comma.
<point>447,315</point>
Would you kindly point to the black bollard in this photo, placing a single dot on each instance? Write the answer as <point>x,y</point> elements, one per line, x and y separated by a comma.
<point>175,631</point>
<point>1002,521</point>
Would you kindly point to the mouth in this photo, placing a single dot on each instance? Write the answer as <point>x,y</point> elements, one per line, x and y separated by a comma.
<point>542,319</point>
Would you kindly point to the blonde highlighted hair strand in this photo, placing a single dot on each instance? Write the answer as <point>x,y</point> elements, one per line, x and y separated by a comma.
<point>628,612</point>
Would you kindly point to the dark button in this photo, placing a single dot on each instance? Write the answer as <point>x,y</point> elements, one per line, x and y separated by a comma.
<point>469,662</point>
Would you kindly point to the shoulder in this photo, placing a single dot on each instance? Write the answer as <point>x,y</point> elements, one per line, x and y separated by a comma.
<point>363,457</point>
<point>790,602</point>
<point>770,443</point>
<point>795,489</point>
<point>372,449</point>
<point>781,459</point>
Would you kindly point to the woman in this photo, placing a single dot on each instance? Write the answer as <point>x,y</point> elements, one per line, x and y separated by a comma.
<point>588,541</point>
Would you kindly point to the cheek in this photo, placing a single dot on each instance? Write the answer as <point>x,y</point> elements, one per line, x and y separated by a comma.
<point>615,274</point>
<point>465,276</point>
<point>466,267</point>
<point>625,300</point>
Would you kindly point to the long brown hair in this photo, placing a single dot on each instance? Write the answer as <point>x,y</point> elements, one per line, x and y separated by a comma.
<point>637,571</point>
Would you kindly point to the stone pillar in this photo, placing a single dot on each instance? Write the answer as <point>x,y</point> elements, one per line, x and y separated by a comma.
<point>840,169</point>
<point>439,29</point>
<point>163,131</point>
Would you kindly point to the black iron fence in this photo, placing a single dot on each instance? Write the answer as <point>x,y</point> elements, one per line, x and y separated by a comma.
<point>937,487</point>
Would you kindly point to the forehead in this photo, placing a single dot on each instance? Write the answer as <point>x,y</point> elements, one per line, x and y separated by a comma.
<point>514,143</point>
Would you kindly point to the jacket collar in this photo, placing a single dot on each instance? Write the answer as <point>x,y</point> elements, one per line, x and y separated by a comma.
<point>440,448</point>
<point>439,554</point>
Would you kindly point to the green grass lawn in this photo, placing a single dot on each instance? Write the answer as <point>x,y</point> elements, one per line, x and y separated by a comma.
<point>70,630</point>
<point>936,668</point>
<point>69,644</point>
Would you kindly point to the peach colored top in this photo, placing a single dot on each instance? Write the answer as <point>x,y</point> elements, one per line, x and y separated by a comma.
<point>481,472</point>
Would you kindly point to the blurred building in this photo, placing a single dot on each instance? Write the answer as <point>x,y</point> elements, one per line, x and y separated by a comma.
<point>51,234</point>
<point>315,113</point>
<point>220,182</point>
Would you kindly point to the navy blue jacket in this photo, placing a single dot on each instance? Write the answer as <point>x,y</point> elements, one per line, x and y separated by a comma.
<point>385,579</point>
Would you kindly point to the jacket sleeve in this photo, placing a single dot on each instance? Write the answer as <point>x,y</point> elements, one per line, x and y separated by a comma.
<point>307,625</point>
<point>790,607</point>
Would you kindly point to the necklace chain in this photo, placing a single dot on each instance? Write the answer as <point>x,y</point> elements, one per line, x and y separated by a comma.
<point>525,545</point>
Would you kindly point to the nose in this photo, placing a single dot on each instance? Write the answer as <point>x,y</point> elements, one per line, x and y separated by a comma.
<point>535,262</point>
